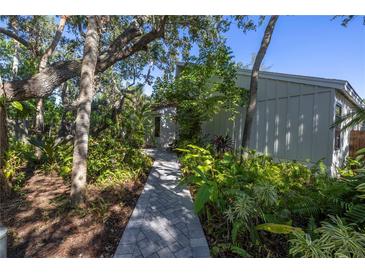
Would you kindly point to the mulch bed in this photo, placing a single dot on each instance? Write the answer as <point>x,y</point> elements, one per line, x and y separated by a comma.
<point>41,222</point>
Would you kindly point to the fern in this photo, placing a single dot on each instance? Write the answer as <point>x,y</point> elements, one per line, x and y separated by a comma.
<point>304,206</point>
<point>356,214</point>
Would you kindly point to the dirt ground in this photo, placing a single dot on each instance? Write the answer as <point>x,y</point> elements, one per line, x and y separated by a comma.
<point>41,222</point>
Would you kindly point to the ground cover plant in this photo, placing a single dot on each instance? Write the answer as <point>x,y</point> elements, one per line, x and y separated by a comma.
<point>41,220</point>
<point>260,208</point>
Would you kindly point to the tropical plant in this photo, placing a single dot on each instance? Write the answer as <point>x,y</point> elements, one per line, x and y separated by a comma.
<point>222,144</point>
<point>263,207</point>
<point>352,119</point>
<point>335,239</point>
<point>195,93</point>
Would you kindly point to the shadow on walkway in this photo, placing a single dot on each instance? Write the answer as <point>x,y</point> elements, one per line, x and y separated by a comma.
<point>163,223</point>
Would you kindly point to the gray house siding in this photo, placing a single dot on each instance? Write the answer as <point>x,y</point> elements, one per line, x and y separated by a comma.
<point>292,121</point>
<point>293,117</point>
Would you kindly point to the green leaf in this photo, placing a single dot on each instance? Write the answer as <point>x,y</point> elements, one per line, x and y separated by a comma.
<point>360,151</point>
<point>240,251</point>
<point>2,100</point>
<point>17,105</point>
<point>278,228</point>
<point>182,150</point>
<point>356,214</point>
<point>201,198</point>
<point>235,229</point>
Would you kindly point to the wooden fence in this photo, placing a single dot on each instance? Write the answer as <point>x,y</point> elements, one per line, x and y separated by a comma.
<point>357,141</point>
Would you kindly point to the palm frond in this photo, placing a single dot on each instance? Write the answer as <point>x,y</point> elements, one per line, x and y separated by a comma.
<point>354,118</point>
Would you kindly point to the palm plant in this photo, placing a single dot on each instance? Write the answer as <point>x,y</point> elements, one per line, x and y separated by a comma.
<point>351,119</point>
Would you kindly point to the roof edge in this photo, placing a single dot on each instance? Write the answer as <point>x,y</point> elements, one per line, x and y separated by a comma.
<point>343,85</point>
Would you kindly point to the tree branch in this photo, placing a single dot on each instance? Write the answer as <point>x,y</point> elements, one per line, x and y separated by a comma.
<point>43,83</point>
<point>49,51</point>
<point>11,34</point>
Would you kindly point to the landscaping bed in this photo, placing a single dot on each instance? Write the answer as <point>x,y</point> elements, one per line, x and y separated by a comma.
<point>257,207</point>
<point>42,223</point>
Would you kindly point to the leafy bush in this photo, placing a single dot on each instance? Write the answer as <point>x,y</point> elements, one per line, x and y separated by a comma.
<point>335,239</point>
<point>18,157</point>
<point>56,155</point>
<point>111,162</point>
<point>269,208</point>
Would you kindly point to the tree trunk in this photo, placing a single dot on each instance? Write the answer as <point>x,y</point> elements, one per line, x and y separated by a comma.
<point>64,129</point>
<point>4,186</point>
<point>39,119</point>
<point>79,165</point>
<point>251,106</point>
<point>4,138</point>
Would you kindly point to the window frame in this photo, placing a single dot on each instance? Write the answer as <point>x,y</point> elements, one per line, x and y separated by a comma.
<point>338,133</point>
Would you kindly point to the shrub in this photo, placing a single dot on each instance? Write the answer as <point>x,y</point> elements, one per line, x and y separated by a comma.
<point>109,162</point>
<point>335,239</point>
<point>18,157</point>
<point>263,207</point>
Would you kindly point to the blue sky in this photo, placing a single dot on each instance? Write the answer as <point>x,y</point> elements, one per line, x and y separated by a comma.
<point>308,45</point>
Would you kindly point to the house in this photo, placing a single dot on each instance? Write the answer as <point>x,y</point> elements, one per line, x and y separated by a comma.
<point>293,119</point>
<point>165,128</point>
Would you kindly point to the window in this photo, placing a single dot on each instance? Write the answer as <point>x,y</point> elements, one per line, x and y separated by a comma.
<point>338,127</point>
<point>157,126</point>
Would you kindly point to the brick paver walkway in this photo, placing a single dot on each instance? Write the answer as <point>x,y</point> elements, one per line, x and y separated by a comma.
<point>163,223</point>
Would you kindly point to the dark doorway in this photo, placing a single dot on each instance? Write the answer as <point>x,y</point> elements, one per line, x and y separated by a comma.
<point>157,126</point>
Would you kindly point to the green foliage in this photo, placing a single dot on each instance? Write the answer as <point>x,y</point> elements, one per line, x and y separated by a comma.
<point>18,157</point>
<point>352,119</point>
<point>110,162</point>
<point>205,85</point>
<point>56,155</point>
<point>261,206</point>
<point>278,228</point>
<point>336,239</point>
<point>17,105</point>
<point>49,147</point>
<point>222,144</point>
<point>202,197</point>
<point>229,249</point>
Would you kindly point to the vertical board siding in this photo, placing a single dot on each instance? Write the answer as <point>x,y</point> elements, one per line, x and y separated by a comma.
<point>306,127</point>
<point>322,114</point>
<point>282,132</point>
<point>293,128</point>
<point>292,121</point>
